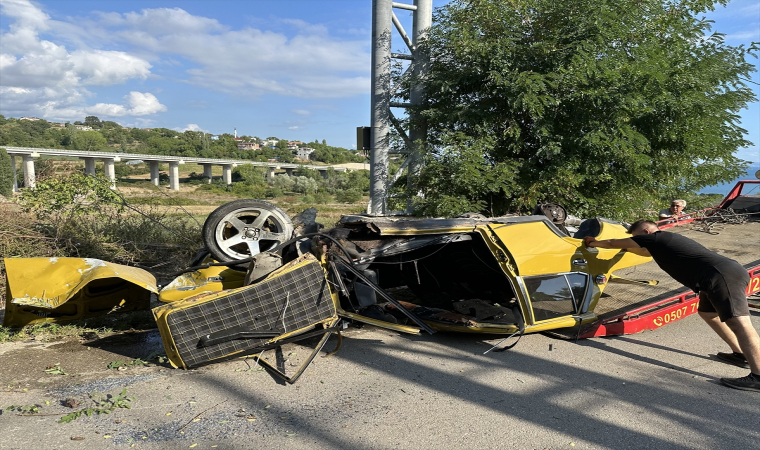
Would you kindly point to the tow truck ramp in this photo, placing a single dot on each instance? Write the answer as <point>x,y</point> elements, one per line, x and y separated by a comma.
<point>632,308</point>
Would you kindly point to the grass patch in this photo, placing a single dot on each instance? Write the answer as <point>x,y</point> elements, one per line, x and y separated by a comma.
<point>47,332</point>
<point>133,320</point>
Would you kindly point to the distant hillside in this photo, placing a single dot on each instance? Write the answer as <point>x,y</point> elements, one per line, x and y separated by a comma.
<point>96,135</point>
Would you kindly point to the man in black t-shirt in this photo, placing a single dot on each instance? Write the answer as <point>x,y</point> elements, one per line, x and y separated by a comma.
<point>721,283</point>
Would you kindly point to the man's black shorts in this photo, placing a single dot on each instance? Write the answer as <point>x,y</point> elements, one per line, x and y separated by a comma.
<point>724,287</point>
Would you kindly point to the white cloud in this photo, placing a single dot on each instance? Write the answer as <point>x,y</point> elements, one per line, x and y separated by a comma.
<point>107,109</point>
<point>743,36</point>
<point>40,77</point>
<point>300,112</point>
<point>191,127</point>
<point>294,127</point>
<point>58,76</point>
<point>104,68</point>
<point>249,61</point>
<point>137,104</point>
<point>162,21</point>
<point>142,104</point>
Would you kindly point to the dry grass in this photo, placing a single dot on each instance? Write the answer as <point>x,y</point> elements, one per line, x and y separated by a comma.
<point>20,238</point>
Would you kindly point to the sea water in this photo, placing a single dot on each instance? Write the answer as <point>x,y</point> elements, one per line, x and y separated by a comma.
<point>725,188</point>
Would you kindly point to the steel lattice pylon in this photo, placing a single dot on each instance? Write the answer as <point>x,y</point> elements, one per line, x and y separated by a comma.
<point>383,18</point>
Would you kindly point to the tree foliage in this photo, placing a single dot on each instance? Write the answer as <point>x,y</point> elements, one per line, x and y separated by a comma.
<point>333,155</point>
<point>604,106</point>
<point>89,140</point>
<point>92,121</point>
<point>6,174</point>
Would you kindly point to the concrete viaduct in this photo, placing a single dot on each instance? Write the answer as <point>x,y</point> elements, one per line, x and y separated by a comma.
<point>28,155</point>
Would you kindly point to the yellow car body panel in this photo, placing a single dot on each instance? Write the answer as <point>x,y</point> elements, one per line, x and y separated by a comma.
<point>536,249</point>
<point>210,279</point>
<point>64,289</point>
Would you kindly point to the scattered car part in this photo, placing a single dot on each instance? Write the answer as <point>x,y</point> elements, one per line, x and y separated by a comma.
<point>262,265</point>
<point>556,213</point>
<point>59,290</point>
<point>208,279</point>
<point>244,228</point>
<point>293,300</point>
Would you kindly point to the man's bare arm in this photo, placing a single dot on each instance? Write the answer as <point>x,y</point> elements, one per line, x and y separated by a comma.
<point>627,244</point>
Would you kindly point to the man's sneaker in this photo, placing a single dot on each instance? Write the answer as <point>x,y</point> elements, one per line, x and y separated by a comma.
<point>749,383</point>
<point>734,358</point>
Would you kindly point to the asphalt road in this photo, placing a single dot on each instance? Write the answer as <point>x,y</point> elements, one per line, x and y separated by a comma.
<point>383,390</point>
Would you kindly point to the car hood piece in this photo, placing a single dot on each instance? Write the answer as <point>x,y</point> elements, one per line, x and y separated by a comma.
<point>64,289</point>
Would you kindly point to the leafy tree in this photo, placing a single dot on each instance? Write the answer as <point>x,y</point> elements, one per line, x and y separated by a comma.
<point>92,121</point>
<point>305,185</point>
<point>88,140</point>
<point>358,179</point>
<point>601,105</point>
<point>109,124</point>
<point>283,182</point>
<point>6,174</point>
<point>282,144</point>
<point>250,175</point>
<point>73,194</point>
<point>332,155</point>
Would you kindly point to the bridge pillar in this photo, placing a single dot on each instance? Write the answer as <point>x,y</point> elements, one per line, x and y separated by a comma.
<point>227,174</point>
<point>89,166</point>
<point>15,175</point>
<point>174,175</point>
<point>270,175</point>
<point>29,179</point>
<point>289,172</point>
<point>207,172</point>
<point>154,172</point>
<point>108,167</point>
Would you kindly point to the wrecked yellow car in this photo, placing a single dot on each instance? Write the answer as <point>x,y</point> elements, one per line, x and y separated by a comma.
<point>504,275</point>
<point>267,279</point>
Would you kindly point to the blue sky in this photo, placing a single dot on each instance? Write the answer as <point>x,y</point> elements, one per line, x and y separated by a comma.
<point>295,69</point>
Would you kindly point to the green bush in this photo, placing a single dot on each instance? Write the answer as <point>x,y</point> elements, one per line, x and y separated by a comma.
<point>122,170</point>
<point>248,191</point>
<point>305,185</point>
<point>322,197</point>
<point>6,174</point>
<point>250,175</point>
<point>348,195</point>
<point>274,192</point>
<point>283,182</point>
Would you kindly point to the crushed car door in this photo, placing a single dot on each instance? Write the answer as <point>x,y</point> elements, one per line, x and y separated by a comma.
<point>550,268</point>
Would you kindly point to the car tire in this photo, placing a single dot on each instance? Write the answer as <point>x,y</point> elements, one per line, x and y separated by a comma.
<point>236,230</point>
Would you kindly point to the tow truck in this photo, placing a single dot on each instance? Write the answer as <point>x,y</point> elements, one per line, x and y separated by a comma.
<point>732,229</point>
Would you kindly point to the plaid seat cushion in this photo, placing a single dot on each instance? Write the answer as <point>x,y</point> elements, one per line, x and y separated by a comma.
<point>292,301</point>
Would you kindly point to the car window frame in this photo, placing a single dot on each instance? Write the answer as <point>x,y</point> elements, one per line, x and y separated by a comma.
<point>578,303</point>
